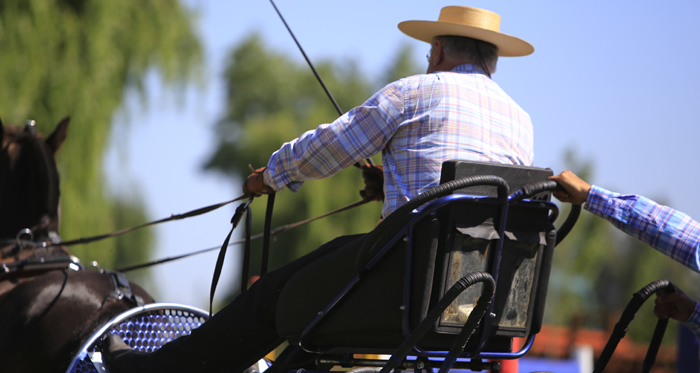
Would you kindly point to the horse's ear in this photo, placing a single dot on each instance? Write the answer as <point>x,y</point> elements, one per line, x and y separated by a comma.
<point>2,132</point>
<point>58,135</point>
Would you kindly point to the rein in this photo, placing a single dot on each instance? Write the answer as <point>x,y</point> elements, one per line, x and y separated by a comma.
<point>244,209</point>
<point>80,241</point>
<point>258,236</point>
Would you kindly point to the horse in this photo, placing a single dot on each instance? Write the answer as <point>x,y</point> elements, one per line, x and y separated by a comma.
<point>50,304</point>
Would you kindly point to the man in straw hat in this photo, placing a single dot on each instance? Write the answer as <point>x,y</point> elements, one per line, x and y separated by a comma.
<point>454,111</point>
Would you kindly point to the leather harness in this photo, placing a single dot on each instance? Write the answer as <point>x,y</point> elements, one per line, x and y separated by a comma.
<point>28,262</point>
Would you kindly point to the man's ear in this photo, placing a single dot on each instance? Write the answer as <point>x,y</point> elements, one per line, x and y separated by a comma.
<point>437,52</point>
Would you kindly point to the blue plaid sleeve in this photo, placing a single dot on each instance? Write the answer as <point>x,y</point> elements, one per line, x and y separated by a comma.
<point>669,231</point>
<point>693,322</point>
<point>360,133</point>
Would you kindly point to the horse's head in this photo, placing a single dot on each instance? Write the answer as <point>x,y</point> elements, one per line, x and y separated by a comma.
<point>29,191</point>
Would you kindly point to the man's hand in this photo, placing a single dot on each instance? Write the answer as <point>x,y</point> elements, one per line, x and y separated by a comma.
<point>374,182</point>
<point>255,183</point>
<point>676,305</point>
<point>575,189</point>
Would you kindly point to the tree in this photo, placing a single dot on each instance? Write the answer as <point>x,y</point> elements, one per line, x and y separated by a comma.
<point>79,58</point>
<point>272,99</point>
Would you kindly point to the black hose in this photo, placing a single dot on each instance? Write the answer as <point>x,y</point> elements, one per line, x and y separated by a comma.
<point>399,218</point>
<point>472,323</point>
<point>627,316</point>
<point>569,223</point>
<point>656,339</point>
<point>428,322</point>
<point>548,185</point>
<point>531,189</point>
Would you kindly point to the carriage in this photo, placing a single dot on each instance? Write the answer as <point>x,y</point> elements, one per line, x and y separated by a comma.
<point>444,286</point>
<point>446,281</point>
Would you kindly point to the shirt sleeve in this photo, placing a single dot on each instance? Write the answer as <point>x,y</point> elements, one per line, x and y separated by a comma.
<point>671,232</point>
<point>693,322</point>
<point>358,134</point>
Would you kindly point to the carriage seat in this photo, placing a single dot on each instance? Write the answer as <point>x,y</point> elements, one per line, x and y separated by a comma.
<point>331,306</point>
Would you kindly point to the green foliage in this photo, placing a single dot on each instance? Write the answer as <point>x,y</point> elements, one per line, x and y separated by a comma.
<point>129,213</point>
<point>403,66</point>
<point>273,99</point>
<point>78,58</point>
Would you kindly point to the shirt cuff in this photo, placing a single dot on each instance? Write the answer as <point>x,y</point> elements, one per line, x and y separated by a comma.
<point>293,186</point>
<point>268,180</point>
<point>599,200</point>
<point>693,322</point>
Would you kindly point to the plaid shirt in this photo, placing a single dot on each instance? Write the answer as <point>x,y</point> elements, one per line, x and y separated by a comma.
<point>669,231</point>
<point>417,123</point>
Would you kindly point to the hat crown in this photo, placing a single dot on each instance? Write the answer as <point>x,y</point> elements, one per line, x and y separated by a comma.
<point>475,23</point>
<point>468,16</point>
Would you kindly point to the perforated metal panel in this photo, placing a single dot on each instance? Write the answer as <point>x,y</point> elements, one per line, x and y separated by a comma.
<point>146,329</point>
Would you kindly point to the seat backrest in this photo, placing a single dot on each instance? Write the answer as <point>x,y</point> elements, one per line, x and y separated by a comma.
<point>469,241</point>
<point>455,240</point>
<point>516,176</point>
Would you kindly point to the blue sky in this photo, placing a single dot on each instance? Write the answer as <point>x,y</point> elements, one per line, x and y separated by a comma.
<point>615,81</point>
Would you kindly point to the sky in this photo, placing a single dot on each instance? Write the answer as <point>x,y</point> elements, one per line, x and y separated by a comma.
<point>616,82</point>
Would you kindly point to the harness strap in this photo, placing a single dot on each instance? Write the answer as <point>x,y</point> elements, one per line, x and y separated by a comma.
<point>242,209</point>
<point>245,270</point>
<point>37,266</point>
<point>266,234</point>
<point>122,289</point>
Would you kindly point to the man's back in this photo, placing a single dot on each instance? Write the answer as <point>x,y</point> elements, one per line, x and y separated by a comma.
<point>460,114</point>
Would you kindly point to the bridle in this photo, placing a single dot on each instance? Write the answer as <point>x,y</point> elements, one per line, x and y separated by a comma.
<point>42,159</point>
<point>20,260</point>
<point>27,254</point>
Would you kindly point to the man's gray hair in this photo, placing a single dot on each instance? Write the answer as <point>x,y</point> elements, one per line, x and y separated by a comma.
<point>464,48</point>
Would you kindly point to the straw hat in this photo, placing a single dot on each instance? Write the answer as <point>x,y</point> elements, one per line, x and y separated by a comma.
<point>475,23</point>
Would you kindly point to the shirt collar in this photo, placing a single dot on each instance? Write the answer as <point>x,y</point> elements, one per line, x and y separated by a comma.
<point>468,68</point>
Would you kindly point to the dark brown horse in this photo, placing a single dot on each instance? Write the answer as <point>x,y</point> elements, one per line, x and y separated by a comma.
<point>49,304</point>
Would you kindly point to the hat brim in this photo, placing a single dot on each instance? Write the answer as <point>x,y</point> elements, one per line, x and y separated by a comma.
<point>508,46</point>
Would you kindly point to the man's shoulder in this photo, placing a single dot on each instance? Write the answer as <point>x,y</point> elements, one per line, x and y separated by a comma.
<point>410,83</point>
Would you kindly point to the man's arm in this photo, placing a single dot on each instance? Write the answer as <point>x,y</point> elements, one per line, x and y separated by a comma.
<point>358,134</point>
<point>669,231</point>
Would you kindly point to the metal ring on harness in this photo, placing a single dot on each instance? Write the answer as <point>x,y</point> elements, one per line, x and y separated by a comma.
<point>24,232</point>
<point>24,243</point>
